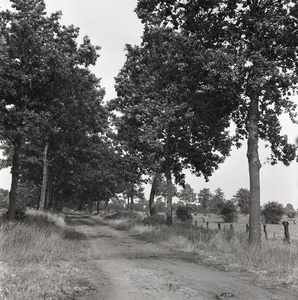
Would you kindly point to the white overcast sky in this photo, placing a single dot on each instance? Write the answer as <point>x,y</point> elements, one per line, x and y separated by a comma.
<point>111,24</point>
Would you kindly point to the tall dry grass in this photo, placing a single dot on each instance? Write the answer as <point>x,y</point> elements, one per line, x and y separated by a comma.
<point>38,262</point>
<point>273,263</point>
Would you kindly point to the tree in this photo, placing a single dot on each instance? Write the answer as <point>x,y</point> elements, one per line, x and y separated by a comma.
<point>46,87</point>
<point>273,212</point>
<point>289,210</point>
<point>217,201</point>
<point>228,212</point>
<point>242,198</point>
<point>161,122</point>
<point>162,189</point>
<point>187,194</point>
<point>260,38</point>
<point>204,198</point>
<point>183,213</point>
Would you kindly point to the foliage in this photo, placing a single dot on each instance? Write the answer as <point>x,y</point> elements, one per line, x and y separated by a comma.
<point>183,213</point>
<point>204,198</point>
<point>160,205</point>
<point>229,212</point>
<point>290,211</point>
<point>259,39</point>
<point>217,201</point>
<point>50,98</point>
<point>162,189</point>
<point>3,198</point>
<point>242,198</point>
<point>291,214</point>
<point>168,129</point>
<point>155,220</point>
<point>273,212</point>
<point>20,213</point>
<point>187,194</point>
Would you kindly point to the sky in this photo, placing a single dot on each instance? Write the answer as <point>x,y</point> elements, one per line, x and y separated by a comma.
<point>111,24</point>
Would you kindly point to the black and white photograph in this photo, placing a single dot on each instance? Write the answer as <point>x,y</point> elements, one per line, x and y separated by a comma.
<point>148,149</point>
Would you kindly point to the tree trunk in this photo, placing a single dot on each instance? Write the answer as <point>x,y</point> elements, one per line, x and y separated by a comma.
<point>169,195</point>
<point>254,174</point>
<point>152,194</point>
<point>106,205</point>
<point>131,198</point>
<point>14,181</point>
<point>97,206</point>
<point>43,195</point>
<point>49,192</point>
<point>127,202</point>
<point>54,198</point>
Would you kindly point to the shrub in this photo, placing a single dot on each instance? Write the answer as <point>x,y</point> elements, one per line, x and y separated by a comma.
<point>20,213</point>
<point>273,212</point>
<point>183,213</point>
<point>291,214</point>
<point>155,220</point>
<point>228,212</point>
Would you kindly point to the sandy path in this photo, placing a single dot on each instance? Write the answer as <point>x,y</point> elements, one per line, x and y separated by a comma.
<point>136,270</point>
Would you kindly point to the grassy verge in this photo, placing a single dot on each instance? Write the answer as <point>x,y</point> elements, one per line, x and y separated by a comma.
<point>275,263</point>
<point>37,261</point>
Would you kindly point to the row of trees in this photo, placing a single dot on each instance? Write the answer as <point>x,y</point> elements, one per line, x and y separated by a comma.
<point>54,127</point>
<point>200,68</point>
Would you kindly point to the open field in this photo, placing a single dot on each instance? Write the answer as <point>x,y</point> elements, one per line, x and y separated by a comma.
<point>274,231</point>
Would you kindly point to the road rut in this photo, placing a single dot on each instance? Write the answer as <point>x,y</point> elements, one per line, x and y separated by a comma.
<point>132,269</point>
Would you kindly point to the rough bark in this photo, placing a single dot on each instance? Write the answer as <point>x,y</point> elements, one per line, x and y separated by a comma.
<point>152,194</point>
<point>15,180</point>
<point>97,206</point>
<point>54,199</point>
<point>131,198</point>
<point>106,205</point>
<point>128,201</point>
<point>254,174</point>
<point>43,195</point>
<point>169,195</point>
<point>49,196</point>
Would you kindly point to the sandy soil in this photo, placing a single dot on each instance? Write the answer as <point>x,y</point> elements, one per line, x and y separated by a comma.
<point>132,269</point>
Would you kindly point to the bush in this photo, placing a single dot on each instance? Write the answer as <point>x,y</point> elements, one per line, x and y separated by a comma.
<point>273,212</point>
<point>183,213</point>
<point>291,214</point>
<point>155,220</point>
<point>228,212</point>
<point>20,213</point>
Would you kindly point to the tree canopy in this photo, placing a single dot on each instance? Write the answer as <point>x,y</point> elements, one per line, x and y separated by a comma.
<point>259,40</point>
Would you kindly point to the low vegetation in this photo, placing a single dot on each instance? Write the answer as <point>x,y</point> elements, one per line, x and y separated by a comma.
<point>39,261</point>
<point>274,263</point>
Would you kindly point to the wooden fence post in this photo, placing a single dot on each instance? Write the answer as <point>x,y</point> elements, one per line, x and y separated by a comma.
<point>287,234</point>
<point>218,226</point>
<point>232,227</point>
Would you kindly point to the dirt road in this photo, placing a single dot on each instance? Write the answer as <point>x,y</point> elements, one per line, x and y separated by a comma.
<point>131,269</point>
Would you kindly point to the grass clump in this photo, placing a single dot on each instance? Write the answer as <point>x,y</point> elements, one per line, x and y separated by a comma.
<point>38,262</point>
